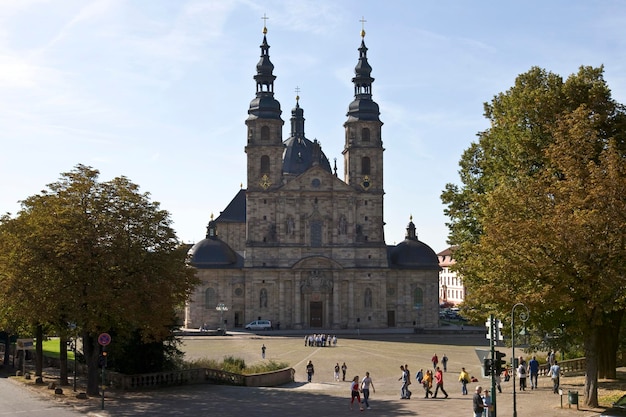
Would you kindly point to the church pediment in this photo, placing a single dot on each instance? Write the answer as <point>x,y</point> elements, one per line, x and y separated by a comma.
<point>316,263</point>
<point>316,179</point>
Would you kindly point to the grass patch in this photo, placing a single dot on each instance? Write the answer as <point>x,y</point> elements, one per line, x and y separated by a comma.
<point>236,365</point>
<point>51,349</point>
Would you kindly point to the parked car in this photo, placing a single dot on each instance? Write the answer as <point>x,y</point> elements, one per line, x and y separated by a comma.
<point>617,410</point>
<point>259,325</point>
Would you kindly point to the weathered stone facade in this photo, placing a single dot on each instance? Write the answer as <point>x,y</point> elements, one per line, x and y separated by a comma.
<point>302,247</point>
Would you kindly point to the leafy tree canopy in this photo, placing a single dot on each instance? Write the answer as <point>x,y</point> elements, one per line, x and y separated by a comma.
<point>541,215</point>
<point>101,255</point>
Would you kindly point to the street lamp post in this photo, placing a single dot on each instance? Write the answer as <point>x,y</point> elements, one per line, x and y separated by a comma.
<point>523,316</point>
<point>221,307</point>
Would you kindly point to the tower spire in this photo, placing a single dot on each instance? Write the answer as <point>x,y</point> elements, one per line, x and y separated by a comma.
<point>363,107</point>
<point>265,105</point>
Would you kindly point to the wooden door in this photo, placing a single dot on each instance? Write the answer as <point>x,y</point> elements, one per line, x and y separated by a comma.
<point>316,316</point>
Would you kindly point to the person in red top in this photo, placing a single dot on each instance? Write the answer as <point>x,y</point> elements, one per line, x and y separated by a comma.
<point>354,392</point>
<point>439,382</point>
<point>435,361</point>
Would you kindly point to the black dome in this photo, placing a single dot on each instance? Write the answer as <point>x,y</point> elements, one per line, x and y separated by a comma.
<point>301,154</point>
<point>413,254</point>
<point>212,252</point>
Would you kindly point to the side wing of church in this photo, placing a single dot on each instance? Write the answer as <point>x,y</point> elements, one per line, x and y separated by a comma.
<point>302,247</point>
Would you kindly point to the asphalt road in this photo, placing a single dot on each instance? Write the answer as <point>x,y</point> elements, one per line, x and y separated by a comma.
<point>17,401</point>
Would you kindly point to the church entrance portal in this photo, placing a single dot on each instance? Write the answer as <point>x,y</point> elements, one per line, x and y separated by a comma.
<point>315,319</point>
<point>391,318</point>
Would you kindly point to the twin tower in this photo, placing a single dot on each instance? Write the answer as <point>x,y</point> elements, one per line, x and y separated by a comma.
<point>301,246</point>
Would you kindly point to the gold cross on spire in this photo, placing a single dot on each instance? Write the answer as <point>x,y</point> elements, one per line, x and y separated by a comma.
<point>264,18</point>
<point>362,26</point>
<point>297,94</point>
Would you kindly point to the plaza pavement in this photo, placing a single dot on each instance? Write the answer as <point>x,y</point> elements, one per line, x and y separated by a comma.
<point>379,353</point>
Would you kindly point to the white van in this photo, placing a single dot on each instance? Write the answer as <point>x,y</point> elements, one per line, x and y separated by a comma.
<point>259,325</point>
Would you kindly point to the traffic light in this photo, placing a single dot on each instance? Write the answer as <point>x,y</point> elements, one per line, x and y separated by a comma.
<point>102,360</point>
<point>500,362</point>
<point>488,365</point>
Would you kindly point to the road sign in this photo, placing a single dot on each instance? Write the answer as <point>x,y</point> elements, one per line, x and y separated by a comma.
<point>104,339</point>
<point>25,344</point>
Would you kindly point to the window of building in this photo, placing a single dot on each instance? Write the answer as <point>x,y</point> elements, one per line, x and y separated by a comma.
<point>365,165</point>
<point>265,164</point>
<point>316,234</point>
<point>368,298</point>
<point>365,134</point>
<point>418,298</point>
<point>210,298</point>
<point>265,133</point>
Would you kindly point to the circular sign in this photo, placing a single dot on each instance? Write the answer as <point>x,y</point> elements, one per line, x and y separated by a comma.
<point>104,339</point>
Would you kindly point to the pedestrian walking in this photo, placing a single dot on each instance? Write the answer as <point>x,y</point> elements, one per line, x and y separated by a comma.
<point>428,383</point>
<point>444,362</point>
<point>521,374</point>
<point>365,388</point>
<point>477,402</point>
<point>354,393</point>
<point>439,383</point>
<point>403,388</point>
<point>337,372</point>
<point>533,370</point>
<point>555,374</point>
<point>435,361</point>
<point>344,368</point>
<point>310,370</point>
<point>263,351</point>
<point>487,404</point>
<point>464,379</point>
<point>408,381</point>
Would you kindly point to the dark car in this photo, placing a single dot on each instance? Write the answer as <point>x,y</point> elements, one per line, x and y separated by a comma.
<point>617,410</point>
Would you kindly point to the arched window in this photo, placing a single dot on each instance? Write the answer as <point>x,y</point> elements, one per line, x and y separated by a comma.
<point>265,133</point>
<point>365,134</point>
<point>210,299</point>
<point>265,164</point>
<point>263,298</point>
<point>418,298</point>
<point>316,234</point>
<point>365,165</point>
<point>368,298</point>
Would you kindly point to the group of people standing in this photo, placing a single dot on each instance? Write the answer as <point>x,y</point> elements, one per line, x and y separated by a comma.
<point>320,340</point>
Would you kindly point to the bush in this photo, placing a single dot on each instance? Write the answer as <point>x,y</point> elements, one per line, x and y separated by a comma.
<point>236,365</point>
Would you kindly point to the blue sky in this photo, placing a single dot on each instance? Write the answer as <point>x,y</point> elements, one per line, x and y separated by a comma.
<point>158,90</point>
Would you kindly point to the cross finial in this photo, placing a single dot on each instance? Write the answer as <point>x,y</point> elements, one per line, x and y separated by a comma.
<point>362,26</point>
<point>264,23</point>
<point>297,90</point>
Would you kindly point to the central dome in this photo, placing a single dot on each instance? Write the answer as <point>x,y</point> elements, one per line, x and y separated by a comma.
<point>300,153</point>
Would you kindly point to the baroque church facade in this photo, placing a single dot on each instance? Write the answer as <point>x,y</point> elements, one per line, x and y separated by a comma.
<point>302,247</point>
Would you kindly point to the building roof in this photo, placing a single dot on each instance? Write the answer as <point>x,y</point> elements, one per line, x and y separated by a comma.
<point>412,254</point>
<point>235,212</point>
<point>212,252</point>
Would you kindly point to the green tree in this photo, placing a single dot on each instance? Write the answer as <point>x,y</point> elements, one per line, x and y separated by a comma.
<point>100,255</point>
<point>540,216</point>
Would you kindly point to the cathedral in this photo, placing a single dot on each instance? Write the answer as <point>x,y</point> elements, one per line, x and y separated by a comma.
<point>302,247</point>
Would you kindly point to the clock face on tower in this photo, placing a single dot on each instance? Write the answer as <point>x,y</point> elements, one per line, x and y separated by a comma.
<point>265,182</point>
<point>366,183</point>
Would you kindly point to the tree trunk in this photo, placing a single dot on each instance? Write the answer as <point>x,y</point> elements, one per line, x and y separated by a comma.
<point>92,354</point>
<point>39,350</point>
<point>63,360</point>
<point>608,344</point>
<point>591,375</point>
